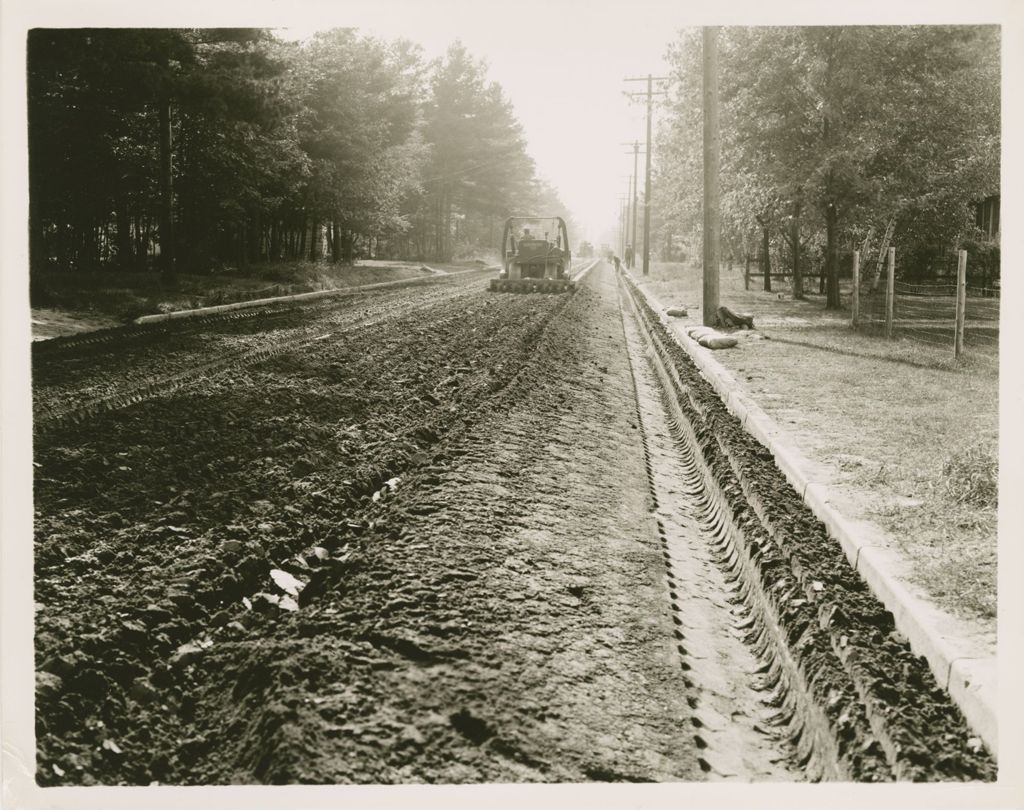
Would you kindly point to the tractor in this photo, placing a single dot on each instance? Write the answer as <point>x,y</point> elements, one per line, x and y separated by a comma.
<point>535,256</point>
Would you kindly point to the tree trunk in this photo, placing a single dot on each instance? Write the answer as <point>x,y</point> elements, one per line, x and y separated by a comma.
<point>335,242</point>
<point>275,240</point>
<point>766,260</point>
<point>125,259</point>
<point>140,252</point>
<point>257,237</point>
<point>348,241</point>
<point>167,255</point>
<point>794,235</point>
<point>314,241</point>
<point>832,257</point>
<point>243,245</point>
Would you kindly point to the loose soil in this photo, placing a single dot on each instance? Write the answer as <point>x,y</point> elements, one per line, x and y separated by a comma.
<point>461,493</point>
<point>881,420</point>
<point>840,671</point>
<point>427,547</point>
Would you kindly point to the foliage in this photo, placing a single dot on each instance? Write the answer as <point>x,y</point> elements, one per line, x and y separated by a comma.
<point>341,145</point>
<point>844,126</point>
<point>972,476</point>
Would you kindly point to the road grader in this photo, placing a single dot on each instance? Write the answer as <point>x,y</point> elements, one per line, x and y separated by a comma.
<point>535,256</point>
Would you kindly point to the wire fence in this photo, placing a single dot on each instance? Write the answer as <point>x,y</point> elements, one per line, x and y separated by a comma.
<point>926,313</point>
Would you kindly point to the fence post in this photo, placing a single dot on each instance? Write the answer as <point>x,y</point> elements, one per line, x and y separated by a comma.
<point>856,289</point>
<point>746,274</point>
<point>890,292</point>
<point>961,303</point>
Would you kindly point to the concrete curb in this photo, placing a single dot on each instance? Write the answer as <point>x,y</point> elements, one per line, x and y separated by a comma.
<point>966,672</point>
<point>299,297</point>
<point>582,273</point>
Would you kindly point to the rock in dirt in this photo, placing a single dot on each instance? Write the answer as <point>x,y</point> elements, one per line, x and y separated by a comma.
<point>261,507</point>
<point>183,602</point>
<point>288,583</point>
<point>142,690</point>
<point>302,466</point>
<point>677,312</point>
<point>155,615</point>
<point>220,618</point>
<point>186,654</point>
<point>48,685</point>
<point>106,555</point>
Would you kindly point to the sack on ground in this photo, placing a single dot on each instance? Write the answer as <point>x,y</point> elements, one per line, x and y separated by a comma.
<point>717,341</point>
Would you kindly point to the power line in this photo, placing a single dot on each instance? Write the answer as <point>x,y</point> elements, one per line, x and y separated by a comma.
<point>636,152</point>
<point>650,93</point>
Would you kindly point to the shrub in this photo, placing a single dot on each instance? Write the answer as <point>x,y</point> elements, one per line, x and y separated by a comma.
<point>972,476</point>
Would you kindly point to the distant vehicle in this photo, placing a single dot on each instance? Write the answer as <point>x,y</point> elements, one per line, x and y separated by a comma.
<point>535,256</point>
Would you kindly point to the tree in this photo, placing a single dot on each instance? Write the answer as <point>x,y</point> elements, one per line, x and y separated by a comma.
<point>478,165</point>
<point>359,99</point>
<point>199,147</point>
<point>95,100</point>
<point>851,124</point>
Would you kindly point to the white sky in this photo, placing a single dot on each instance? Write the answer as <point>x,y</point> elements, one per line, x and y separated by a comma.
<point>561,64</point>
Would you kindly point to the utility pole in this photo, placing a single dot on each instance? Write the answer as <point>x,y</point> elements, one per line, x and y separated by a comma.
<point>623,199</point>
<point>712,195</point>
<point>794,237</point>
<point>647,182</point>
<point>636,155</point>
<point>636,152</point>
<point>630,210</point>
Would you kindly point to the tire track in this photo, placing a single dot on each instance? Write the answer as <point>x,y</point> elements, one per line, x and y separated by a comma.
<point>736,735</point>
<point>852,698</point>
<point>54,407</point>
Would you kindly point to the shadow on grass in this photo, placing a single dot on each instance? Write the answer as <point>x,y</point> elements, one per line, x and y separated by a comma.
<point>971,363</point>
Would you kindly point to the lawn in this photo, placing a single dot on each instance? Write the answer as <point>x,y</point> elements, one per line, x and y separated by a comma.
<point>909,435</point>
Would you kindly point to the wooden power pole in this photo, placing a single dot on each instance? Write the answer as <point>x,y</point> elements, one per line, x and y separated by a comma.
<point>636,152</point>
<point>712,192</point>
<point>649,94</point>
<point>636,155</point>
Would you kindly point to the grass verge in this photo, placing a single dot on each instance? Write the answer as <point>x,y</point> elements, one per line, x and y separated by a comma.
<point>907,434</point>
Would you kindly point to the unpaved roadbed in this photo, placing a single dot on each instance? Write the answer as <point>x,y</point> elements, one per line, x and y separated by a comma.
<point>486,618</point>
<point>428,548</point>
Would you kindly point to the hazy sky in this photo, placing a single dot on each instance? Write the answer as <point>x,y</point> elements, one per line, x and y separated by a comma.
<point>561,62</point>
<point>561,65</point>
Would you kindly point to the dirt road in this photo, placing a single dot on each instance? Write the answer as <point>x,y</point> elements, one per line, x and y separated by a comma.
<point>497,613</point>
<point>448,540</point>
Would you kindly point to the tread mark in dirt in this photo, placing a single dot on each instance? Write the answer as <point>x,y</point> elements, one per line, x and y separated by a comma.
<point>737,736</point>
<point>297,327</point>
<point>860,703</point>
<point>448,596</point>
